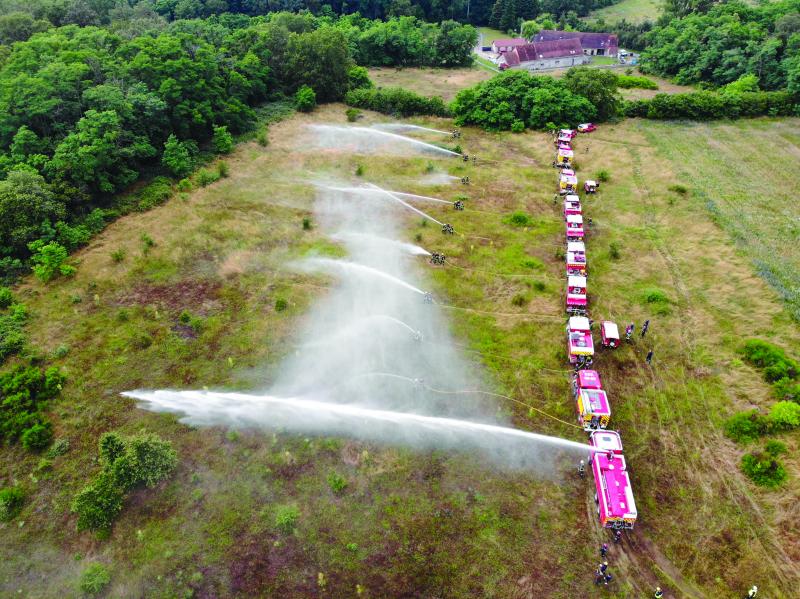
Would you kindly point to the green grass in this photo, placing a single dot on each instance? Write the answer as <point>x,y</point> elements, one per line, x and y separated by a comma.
<point>633,11</point>
<point>488,35</point>
<point>603,60</point>
<point>268,514</point>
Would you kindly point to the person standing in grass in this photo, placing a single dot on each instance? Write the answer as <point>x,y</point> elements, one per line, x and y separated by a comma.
<point>645,326</point>
<point>659,594</point>
<point>649,357</point>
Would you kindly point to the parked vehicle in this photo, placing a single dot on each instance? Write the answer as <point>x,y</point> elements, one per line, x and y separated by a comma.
<point>590,186</point>
<point>586,127</point>
<point>580,347</point>
<point>576,295</point>
<point>616,507</point>
<point>609,334</point>
<point>576,258</point>
<point>591,401</point>
<point>567,182</point>
<point>564,157</point>
<point>575,227</point>
<point>572,205</point>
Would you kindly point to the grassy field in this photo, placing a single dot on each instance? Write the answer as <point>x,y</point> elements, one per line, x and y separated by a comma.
<point>488,35</point>
<point>432,82</point>
<point>634,11</point>
<point>425,524</point>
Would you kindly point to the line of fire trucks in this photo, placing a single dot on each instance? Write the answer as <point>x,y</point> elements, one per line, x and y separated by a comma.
<point>616,507</point>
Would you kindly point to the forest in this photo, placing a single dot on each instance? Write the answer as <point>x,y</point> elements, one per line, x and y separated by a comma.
<point>84,111</point>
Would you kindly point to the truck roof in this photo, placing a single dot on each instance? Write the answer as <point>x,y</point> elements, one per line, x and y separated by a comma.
<point>595,400</point>
<point>576,246</point>
<point>613,486</point>
<point>575,218</point>
<point>606,440</point>
<point>589,379</point>
<point>576,281</point>
<point>578,323</point>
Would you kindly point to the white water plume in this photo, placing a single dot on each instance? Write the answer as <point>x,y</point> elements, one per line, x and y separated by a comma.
<point>355,375</point>
<point>407,127</point>
<point>408,248</point>
<point>419,197</point>
<point>367,140</point>
<point>509,446</point>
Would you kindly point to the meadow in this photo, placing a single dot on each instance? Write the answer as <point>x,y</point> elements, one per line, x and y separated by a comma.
<point>253,513</point>
<point>633,11</point>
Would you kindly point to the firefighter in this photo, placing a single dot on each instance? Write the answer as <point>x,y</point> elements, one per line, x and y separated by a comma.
<point>617,536</point>
<point>649,357</point>
<point>581,469</point>
<point>629,331</point>
<point>752,592</point>
<point>603,567</point>
<point>659,594</point>
<point>598,576</point>
<point>604,550</point>
<point>607,578</point>
<point>645,326</point>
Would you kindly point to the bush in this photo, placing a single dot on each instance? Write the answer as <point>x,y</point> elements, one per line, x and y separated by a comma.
<point>305,100</point>
<point>222,169</point>
<point>206,177</point>
<point>99,503</point>
<point>679,189</point>
<point>184,185</point>
<point>281,304</point>
<point>517,126</point>
<point>746,426</point>
<point>262,139</point>
<point>222,140</point>
<point>629,81</point>
<point>353,114</point>
<point>360,170</point>
<point>785,415</point>
<point>49,260</point>
<point>155,193</point>
<point>6,298</point>
<point>602,176</point>
<point>39,436</point>
<point>520,299</point>
<point>11,502</point>
<point>12,336</point>
<point>396,101</point>
<point>147,241</point>
<point>358,78</point>
<point>657,297</point>
<point>306,223</point>
<point>59,448</point>
<point>763,467</point>
<point>337,483</point>
<point>613,251</point>
<point>94,579</point>
<point>772,359</point>
<point>786,388</point>
<point>519,219</point>
<point>177,156</point>
<point>704,105</point>
<point>151,458</point>
<point>286,517</point>
<point>118,255</point>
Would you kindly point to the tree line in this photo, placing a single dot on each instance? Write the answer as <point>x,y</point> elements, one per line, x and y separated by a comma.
<point>84,111</point>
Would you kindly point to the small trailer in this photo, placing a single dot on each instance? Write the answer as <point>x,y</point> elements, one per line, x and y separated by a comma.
<point>576,302</point>
<point>591,186</point>
<point>580,347</point>
<point>609,334</point>
<point>591,401</point>
<point>575,227</point>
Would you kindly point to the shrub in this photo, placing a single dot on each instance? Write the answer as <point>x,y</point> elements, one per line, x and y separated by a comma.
<point>763,467</point>
<point>655,296</point>
<point>358,78</point>
<point>286,517</point>
<point>352,114</point>
<point>262,139</point>
<point>305,100</point>
<point>99,503</point>
<point>786,388</point>
<point>147,241</point>
<point>704,105</point>
<point>6,298</point>
<point>517,126</point>
<point>151,458</point>
<point>337,483</point>
<point>11,501</point>
<point>155,193</point>
<point>359,170</point>
<point>184,185</point>
<point>281,304</point>
<point>177,156</point>
<point>396,101</point>
<point>94,579</point>
<point>539,285</point>
<point>59,448</point>
<point>222,140</point>
<point>222,169</point>
<point>206,177</point>
<point>49,260</point>
<point>785,415</point>
<point>613,250</point>
<point>602,176</point>
<point>520,299</point>
<point>306,223</point>
<point>141,340</point>
<point>628,81</point>
<point>771,358</point>
<point>679,189</point>
<point>12,336</point>
<point>118,255</point>
<point>39,436</point>
<point>519,219</point>
<point>746,426</point>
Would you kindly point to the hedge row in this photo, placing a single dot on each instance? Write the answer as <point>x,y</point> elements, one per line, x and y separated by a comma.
<point>396,101</point>
<point>712,105</point>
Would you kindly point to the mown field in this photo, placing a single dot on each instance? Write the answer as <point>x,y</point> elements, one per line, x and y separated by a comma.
<point>633,11</point>
<point>414,524</point>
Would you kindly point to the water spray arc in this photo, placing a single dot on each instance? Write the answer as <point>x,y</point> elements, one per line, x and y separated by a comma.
<point>365,133</point>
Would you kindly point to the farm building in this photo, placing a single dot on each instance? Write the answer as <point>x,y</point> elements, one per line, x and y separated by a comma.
<point>592,44</point>
<point>506,45</point>
<point>545,55</point>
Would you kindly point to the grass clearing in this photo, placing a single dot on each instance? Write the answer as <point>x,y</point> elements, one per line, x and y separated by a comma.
<point>633,11</point>
<point>256,513</point>
<point>431,82</point>
<point>487,35</point>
